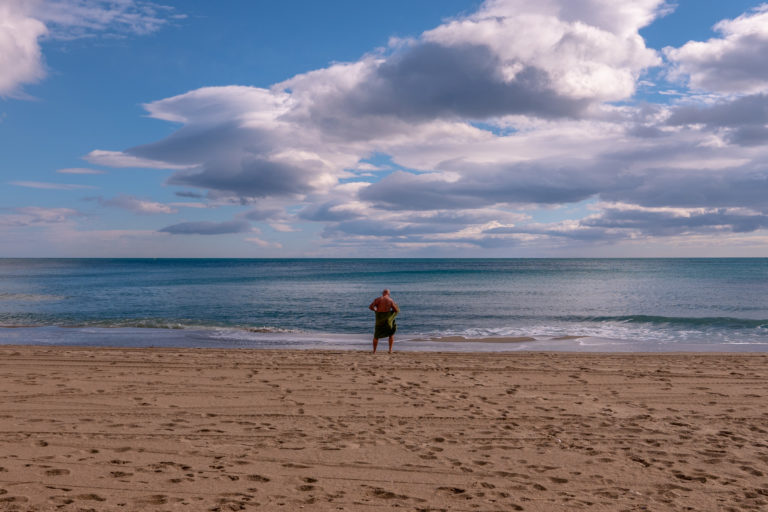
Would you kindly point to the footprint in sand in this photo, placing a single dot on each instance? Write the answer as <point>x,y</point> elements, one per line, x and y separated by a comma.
<point>91,497</point>
<point>386,495</point>
<point>57,472</point>
<point>155,499</point>
<point>14,499</point>
<point>452,490</point>
<point>60,501</point>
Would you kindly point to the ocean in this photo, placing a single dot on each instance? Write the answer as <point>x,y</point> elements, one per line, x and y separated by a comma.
<point>554,304</point>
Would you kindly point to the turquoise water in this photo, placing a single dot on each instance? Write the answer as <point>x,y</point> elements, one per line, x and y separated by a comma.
<point>615,304</point>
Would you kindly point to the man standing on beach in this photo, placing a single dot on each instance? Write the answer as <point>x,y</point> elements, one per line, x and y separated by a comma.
<point>386,310</point>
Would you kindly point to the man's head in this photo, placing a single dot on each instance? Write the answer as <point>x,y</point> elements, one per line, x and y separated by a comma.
<point>385,293</point>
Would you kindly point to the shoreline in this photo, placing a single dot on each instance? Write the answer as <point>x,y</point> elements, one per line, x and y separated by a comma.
<point>233,338</point>
<point>395,352</point>
<point>167,428</point>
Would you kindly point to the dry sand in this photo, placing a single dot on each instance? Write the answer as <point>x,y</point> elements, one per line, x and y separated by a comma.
<point>149,429</point>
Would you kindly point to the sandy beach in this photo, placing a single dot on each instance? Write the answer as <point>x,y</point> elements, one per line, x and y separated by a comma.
<point>161,429</point>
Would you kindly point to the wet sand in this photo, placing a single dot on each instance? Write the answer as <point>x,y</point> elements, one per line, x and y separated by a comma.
<point>169,429</point>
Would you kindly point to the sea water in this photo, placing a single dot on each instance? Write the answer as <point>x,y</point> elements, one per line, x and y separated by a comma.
<point>562,304</point>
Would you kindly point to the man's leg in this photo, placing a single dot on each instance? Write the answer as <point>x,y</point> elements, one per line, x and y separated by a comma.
<point>391,341</point>
<point>375,344</point>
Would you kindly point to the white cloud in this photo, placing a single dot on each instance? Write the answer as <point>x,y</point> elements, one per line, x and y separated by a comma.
<point>20,54</point>
<point>208,228</point>
<point>283,228</point>
<point>25,23</point>
<point>35,215</point>
<point>588,48</point>
<point>365,166</point>
<point>733,63</point>
<point>49,186</point>
<point>79,170</point>
<point>189,204</point>
<point>300,136</point>
<point>120,159</point>
<point>484,118</point>
<point>72,19</point>
<point>136,205</point>
<point>264,243</point>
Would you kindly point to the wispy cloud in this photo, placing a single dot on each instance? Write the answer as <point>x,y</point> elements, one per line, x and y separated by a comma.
<point>35,215</point>
<point>137,205</point>
<point>49,186</point>
<point>264,243</point>
<point>208,228</point>
<point>80,170</point>
<point>74,19</point>
<point>120,159</point>
<point>24,23</point>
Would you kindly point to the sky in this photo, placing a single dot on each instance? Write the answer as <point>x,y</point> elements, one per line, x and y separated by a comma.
<point>437,128</point>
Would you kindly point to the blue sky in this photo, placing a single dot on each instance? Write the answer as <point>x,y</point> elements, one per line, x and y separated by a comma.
<point>399,128</point>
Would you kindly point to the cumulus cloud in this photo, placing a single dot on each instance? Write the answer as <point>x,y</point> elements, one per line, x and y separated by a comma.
<point>208,228</point>
<point>669,221</point>
<point>20,54</point>
<point>743,120</point>
<point>542,59</point>
<point>25,23</point>
<point>588,49</point>
<point>385,229</point>
<point>305,134</point>
<point>430,81</point>
<point>745,186</point>
<point>751,109</point>
<point>733,63</point>
<point>333,211</point>
<point>483,185</point>
<point>254,176</point>
<point>137,205</point>
<point>489,116</point>
<point>622,221</point>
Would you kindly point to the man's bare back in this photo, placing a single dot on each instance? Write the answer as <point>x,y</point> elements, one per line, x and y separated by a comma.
<point>383,303</point>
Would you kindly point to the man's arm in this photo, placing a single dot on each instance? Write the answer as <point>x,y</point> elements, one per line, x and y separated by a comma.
<point>372,307</point>
<point>395,307</point>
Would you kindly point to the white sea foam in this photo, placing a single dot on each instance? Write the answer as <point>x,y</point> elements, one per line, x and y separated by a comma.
<point>245,339</point>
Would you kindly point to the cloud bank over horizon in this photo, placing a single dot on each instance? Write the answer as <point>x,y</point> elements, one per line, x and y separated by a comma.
<point>515,126</point>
